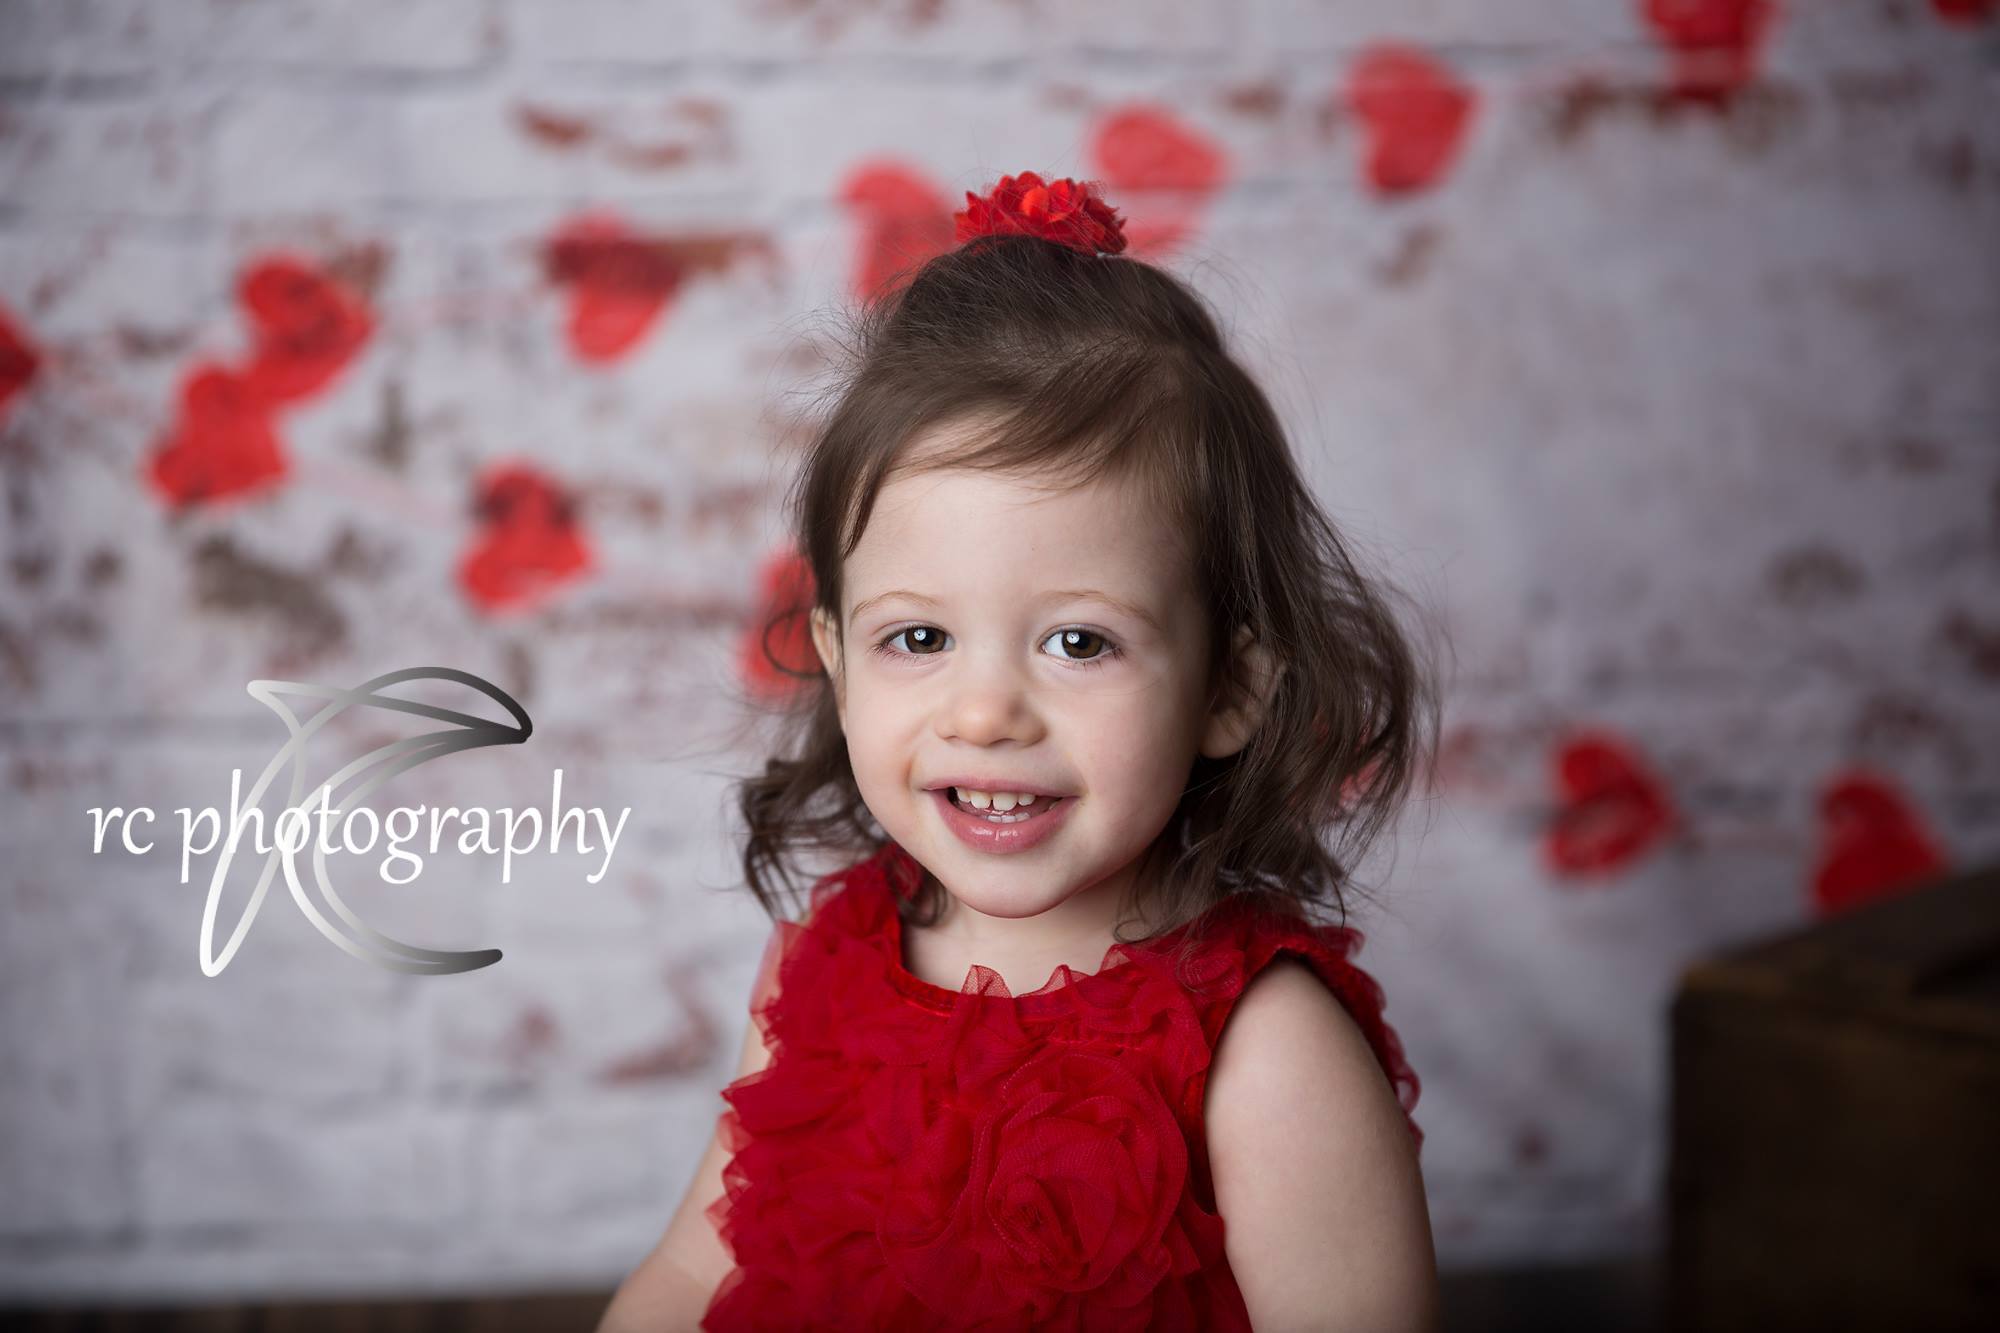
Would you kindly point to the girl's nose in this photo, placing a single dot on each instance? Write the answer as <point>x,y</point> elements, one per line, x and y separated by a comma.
<point>988,709</point>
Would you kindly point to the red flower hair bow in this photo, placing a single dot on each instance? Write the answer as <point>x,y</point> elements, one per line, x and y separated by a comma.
<point>1066,211</point>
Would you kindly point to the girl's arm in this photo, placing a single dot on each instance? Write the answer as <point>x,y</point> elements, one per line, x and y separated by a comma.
<point>671,1287</point>
<point>1316,1175</point>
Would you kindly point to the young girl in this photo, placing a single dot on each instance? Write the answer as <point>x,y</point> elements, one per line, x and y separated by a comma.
<point>1105,710</point>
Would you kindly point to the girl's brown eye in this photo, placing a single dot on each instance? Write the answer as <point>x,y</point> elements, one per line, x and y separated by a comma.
<point>1072,643</point>
<point>922,639</point>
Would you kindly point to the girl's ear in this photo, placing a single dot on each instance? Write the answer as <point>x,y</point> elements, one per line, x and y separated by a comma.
<point>1249,680</point>
<point>826,642</point>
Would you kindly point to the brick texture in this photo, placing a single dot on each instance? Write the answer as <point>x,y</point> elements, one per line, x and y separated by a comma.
<point>1669,381</point>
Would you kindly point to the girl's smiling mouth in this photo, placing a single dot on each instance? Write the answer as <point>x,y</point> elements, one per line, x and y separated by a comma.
<point>1005,824</point>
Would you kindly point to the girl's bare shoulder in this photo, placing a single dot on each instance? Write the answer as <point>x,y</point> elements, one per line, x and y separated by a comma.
<point>1314,1168</point>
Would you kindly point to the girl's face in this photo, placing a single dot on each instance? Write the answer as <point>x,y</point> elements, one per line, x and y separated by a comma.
<point>1008,637</point>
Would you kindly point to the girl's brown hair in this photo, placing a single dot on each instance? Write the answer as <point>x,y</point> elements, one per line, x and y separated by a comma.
<point>1057,362</point>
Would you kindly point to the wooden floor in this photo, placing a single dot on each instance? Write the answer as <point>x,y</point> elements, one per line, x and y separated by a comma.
<point>1600,1299</point>
<point>516,1314</point>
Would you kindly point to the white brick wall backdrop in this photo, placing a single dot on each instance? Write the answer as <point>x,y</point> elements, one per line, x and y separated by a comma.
<point>1683,414</point>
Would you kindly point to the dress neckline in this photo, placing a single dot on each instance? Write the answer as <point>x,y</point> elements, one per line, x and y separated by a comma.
<point>1120,958</point>
<point>943,998</point>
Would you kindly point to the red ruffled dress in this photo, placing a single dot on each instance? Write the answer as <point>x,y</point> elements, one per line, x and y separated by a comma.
<point>921,1158</point>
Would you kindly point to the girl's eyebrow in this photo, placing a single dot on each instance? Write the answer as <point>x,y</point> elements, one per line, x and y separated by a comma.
<point>1138,613</point>
<point>903,593</point>
<point>1133,610</point>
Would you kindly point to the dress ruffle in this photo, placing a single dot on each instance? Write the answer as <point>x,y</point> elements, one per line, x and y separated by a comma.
<point>919,1158</point>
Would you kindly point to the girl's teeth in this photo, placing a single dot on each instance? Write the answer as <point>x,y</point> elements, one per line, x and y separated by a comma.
<point>1000,803</point>
<point>997,800</point>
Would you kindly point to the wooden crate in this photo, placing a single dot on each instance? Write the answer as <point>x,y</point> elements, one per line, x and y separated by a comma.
<point>1835,1159</point>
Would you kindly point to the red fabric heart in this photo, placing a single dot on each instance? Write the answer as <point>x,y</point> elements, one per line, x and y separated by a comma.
<point>305,327</point>
<point>527,542</point>
<point>1873,844</point>
<point>1414,114</point>
<point>904,221</point>
<point>778,639</point>
<point>1715,44</point>
<point>1610,808</point>
<point>1163,172</point>
<point>618,283</point>
<point>18,362</point>
<point>223,443</point>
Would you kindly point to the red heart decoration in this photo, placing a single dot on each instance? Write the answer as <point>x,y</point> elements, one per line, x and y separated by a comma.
<point>905,220</point>
<point>527,541</point>
<point>1610,808</point>
<point>1145,150</point>
<point>305,327</point>
<point>223,443</point>
<point>1414,113</point>
<point>778,640</point>
<point>1873,844</point>
<point>18,361</point>
<point>618,282</point>
<point>1715,43</point>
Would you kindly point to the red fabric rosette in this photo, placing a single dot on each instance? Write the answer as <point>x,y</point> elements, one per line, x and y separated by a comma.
<point>1045,1203</point>
<point>1066,211</point>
